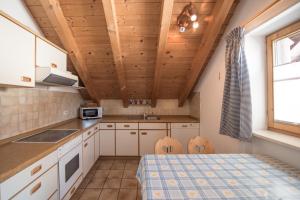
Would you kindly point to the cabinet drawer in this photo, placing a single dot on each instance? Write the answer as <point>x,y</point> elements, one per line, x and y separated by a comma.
<point>127,126</point>
<point>73,189</point>
<point>41,188</point>
<point>16,183</point>
<point>184,125</point>
<point>88,133</point>
<point>96,128</point>
<point>107,126</point>
<point>149,126</point>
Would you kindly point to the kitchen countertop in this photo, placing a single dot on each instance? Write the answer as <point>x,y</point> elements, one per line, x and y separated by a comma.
<point>17,156</point>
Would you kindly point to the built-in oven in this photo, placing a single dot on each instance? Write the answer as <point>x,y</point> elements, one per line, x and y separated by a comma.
<point>70,164</point>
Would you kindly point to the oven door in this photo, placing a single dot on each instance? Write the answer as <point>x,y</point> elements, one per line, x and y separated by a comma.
<point>70,168</point>
<point>90,113</point>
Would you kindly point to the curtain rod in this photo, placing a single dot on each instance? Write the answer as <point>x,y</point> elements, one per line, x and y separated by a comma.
<point>260,12</point>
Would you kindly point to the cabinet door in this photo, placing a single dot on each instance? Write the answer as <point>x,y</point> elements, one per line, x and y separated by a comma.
<point>97,145</point>
<point>16,55</point>
<point>127,143</point>
<point>183,135</point>
<point>148,138</point>
<point>107,142</point>
<point>49,56</point>
<point>88,155</point>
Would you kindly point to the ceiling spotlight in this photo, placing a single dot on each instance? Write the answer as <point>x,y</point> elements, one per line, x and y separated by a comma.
<point>193,17</point>
<point>187,18</point>
<point>195,25</point>
<point>181,29</point>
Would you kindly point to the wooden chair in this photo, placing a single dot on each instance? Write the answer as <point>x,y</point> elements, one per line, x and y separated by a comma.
<point>200,145</point>
<point>168,145</point>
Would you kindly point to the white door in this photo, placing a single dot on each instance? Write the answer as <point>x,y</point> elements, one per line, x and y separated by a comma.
<point>49,56</point>
<point>148,138</point>
<point>17,63</point>
<point>183,135</point>
<point>127,143</point>
<point>107,143</point>
<point>97,145</point>
<point>88,156</point>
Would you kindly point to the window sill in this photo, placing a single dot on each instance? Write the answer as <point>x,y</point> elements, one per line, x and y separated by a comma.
<point>279,138</point>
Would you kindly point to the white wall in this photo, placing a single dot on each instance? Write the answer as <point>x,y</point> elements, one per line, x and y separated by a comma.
<point>211,93</point>
<point>18,10</point>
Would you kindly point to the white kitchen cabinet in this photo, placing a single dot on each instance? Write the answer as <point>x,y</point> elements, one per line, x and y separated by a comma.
<point>49,56</point>
<point>148,138</point>
<point>107,142</point>
<point>42,188</point>
<point>17,53</point>
<point>128,126</point>
<point>127,143</point>
<point>183,132</point>
<point>88,154</point>
<point>97,145</point>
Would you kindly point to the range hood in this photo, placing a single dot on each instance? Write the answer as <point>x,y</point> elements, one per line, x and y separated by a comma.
<point>54,76</point>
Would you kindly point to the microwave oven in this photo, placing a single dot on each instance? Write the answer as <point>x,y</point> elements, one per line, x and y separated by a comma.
<point>90,112</point>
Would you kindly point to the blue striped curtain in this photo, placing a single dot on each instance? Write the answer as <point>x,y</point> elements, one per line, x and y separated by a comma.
<point>236,117</point>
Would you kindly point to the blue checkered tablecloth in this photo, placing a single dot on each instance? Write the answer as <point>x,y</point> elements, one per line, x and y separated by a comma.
<point>217,176</point>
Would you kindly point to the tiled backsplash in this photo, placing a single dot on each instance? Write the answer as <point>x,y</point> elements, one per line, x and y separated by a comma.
<point>25,109</point>
<point>163,107</point>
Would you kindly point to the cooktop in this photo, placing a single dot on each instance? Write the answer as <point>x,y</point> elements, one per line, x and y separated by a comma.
<point>48,136</point>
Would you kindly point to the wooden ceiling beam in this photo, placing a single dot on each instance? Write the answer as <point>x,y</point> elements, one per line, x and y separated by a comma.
<point>113,31</point>
<point>166,15</point>
<point>221,12</point>
<point>55,15</point>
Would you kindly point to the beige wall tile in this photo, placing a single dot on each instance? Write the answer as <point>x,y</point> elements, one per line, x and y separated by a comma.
<point>25,109</point>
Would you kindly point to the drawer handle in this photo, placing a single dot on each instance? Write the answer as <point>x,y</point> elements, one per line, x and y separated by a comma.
<point>132,133</point>
<point>53,65</point>
<point>25,79</point>
<point>184,126</point>
<point>109,126</point>
<point>36,170</point>
<point>126,125</point>
<point>89,132</point>
<point>144,133</point>
<point>73,190</point>
<point>35,188</point>
<point>85,145</point>
<point>96,128</point>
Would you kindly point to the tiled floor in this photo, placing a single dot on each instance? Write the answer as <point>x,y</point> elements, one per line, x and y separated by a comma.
<point>111,178</point>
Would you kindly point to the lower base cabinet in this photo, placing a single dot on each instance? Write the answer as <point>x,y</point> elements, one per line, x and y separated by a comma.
<point>184,136</point>
<point>97,145</point>
<point>127,143</point>
<point>42,188</point>
<point>107,143</point>
<point>148,139</point>
<point>88,154</point>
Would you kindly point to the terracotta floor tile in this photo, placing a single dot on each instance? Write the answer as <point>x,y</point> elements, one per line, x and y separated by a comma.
<point>139,195</point>
<point>129,174</point>
<point>120,161</point>
<point>133,162</point>
<point>112,183</point>
<point>118,166</point>
<point>115,174</point>
<point>77,194</point>
<point>102,173</point>
<point>84,183</point>
<point>96,183</point>
<point>90,194</point>
<point>130,166</point>
<point>105,166</point>
<point>127,194</point>
<point>109,194</point>
<point>129,183</point>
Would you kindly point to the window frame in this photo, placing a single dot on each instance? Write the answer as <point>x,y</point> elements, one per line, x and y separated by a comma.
<point>288,128</point>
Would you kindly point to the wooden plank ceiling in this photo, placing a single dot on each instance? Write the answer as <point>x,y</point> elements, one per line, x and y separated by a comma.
<point>139,33</point>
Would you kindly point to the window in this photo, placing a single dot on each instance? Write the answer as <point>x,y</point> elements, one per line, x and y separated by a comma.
<point>283,56</point>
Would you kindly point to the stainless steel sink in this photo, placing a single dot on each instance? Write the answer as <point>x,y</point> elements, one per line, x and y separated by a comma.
<point>143,117</point>
<point>152,117</point>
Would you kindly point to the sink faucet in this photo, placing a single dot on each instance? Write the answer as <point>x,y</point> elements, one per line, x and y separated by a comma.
<point>145,116</point>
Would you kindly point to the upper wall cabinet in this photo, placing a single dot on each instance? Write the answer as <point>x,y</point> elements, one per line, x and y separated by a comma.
<point>49,56</point>
<point>17,55</point>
